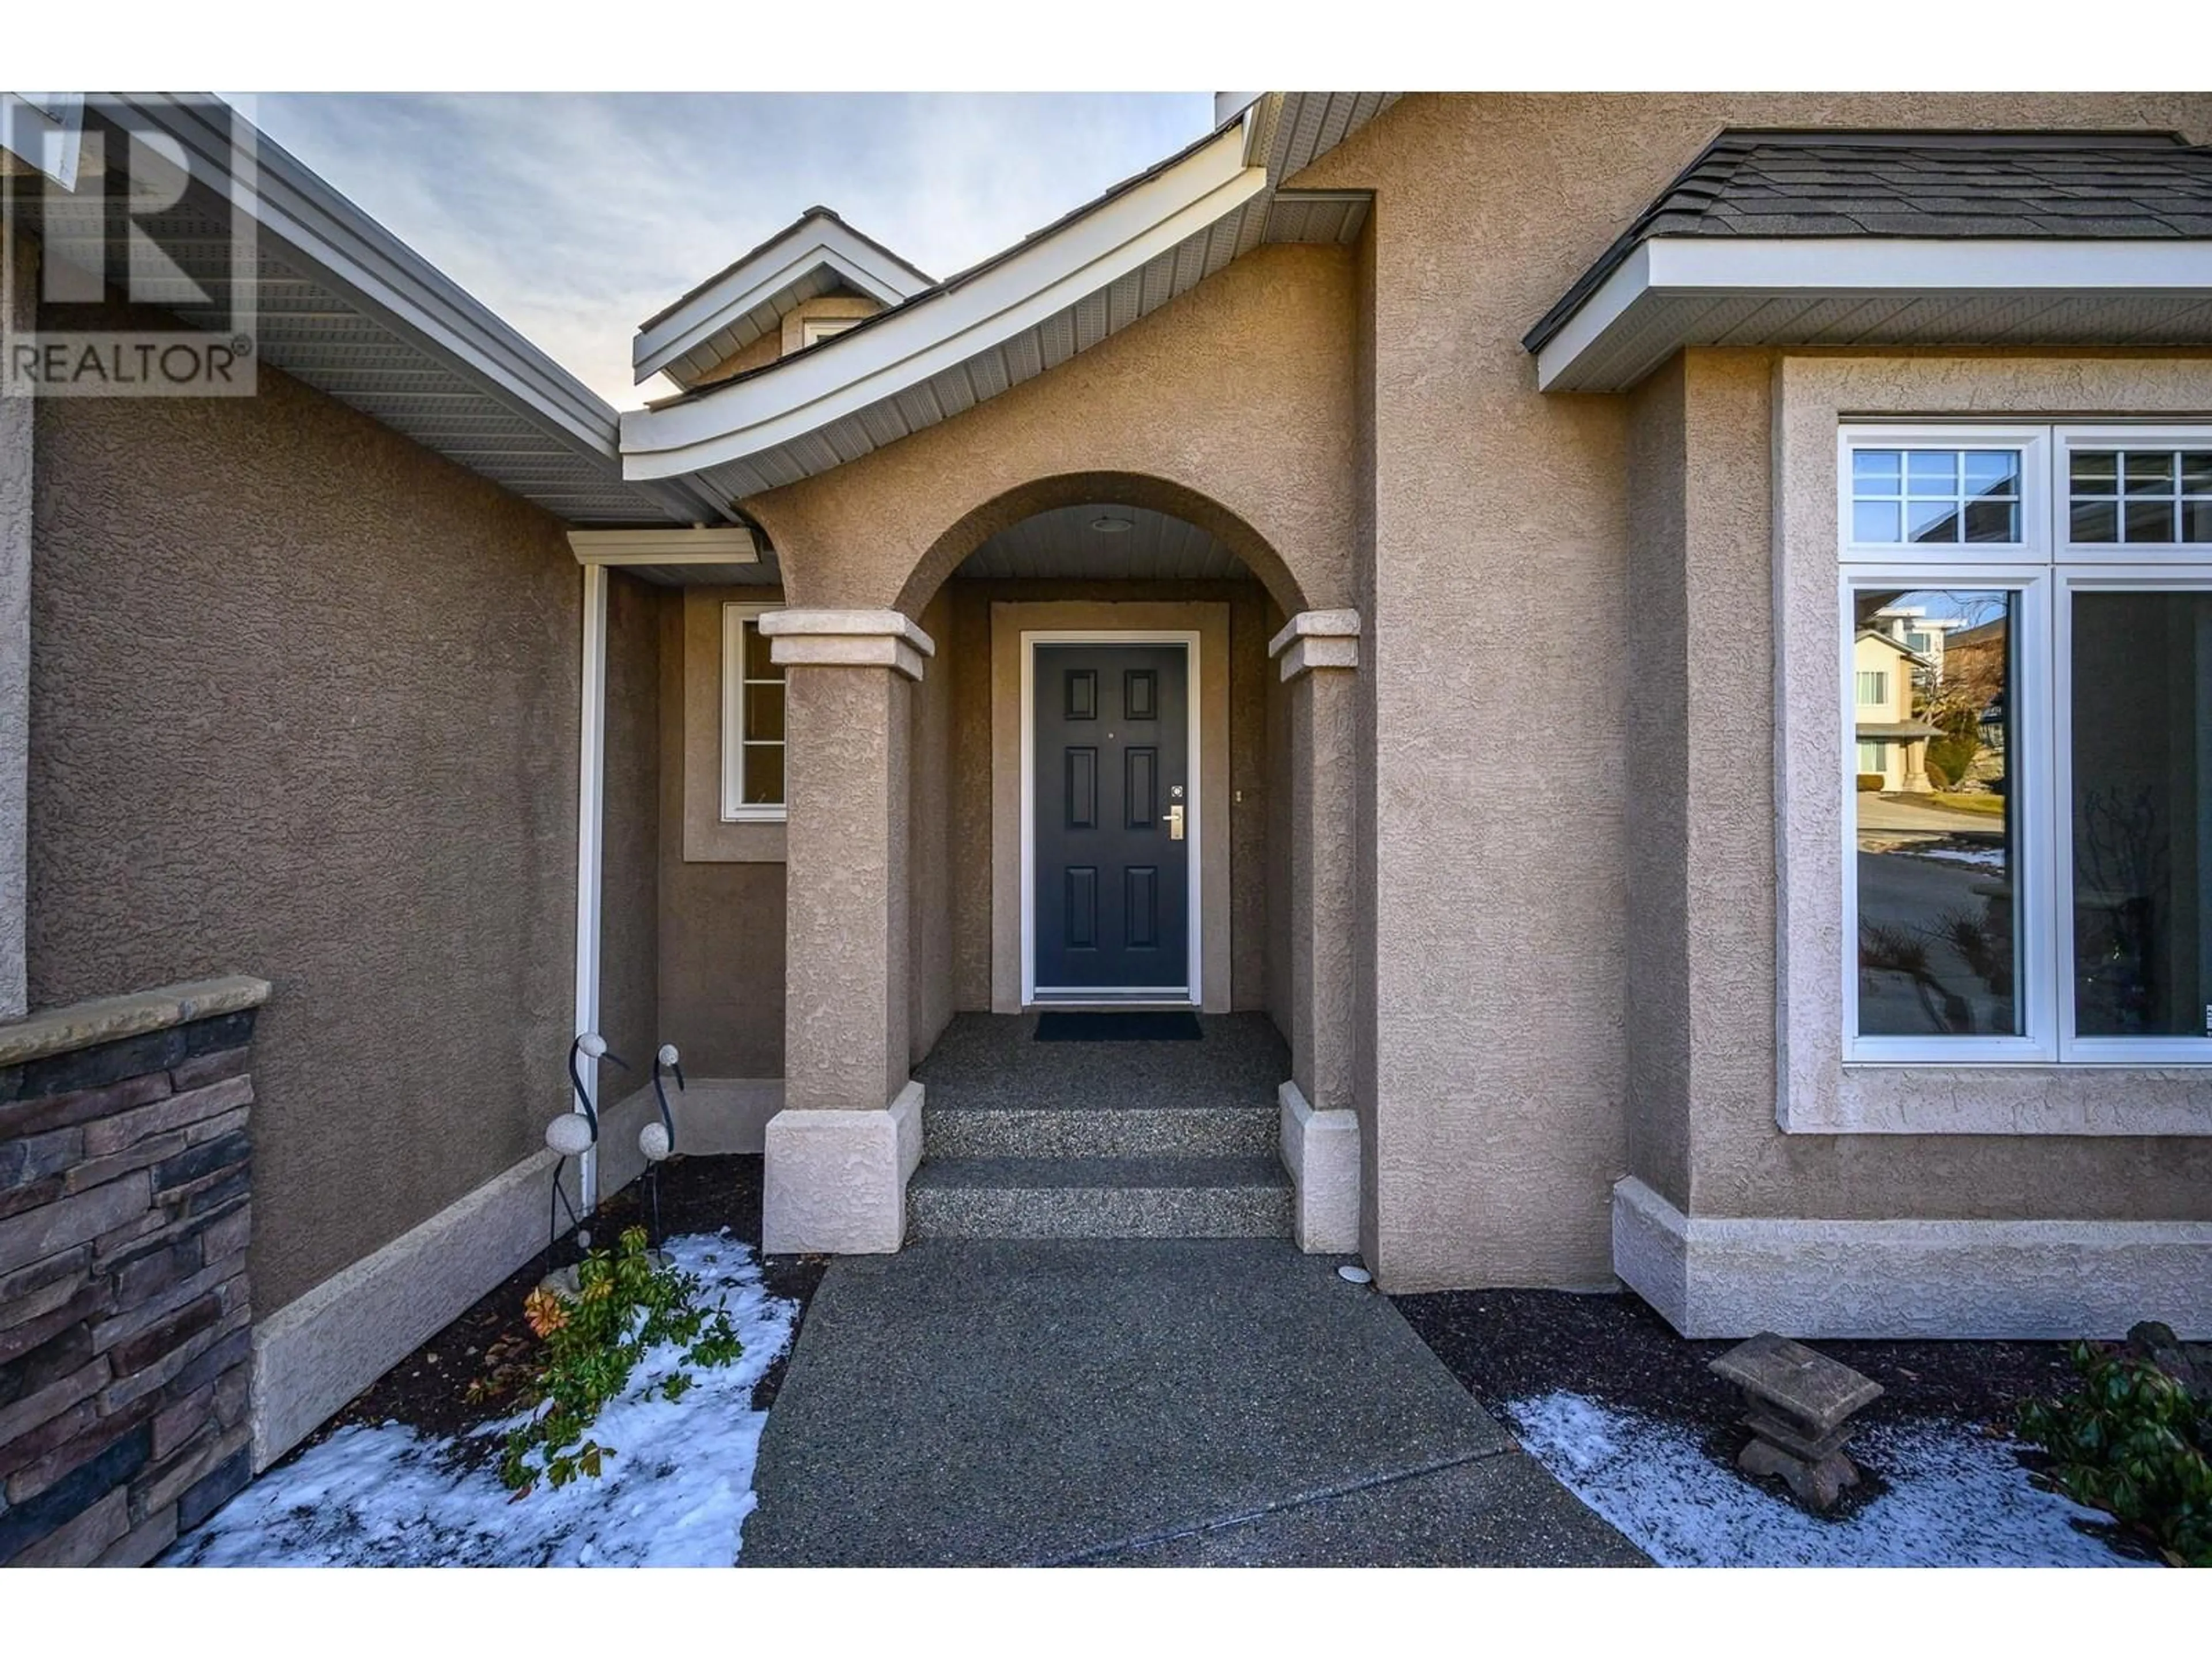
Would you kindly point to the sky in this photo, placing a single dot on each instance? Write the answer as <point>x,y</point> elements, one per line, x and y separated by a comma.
<point>576,216</point>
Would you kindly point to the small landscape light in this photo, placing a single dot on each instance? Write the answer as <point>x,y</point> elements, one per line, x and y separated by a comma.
<point>1351,1274</point>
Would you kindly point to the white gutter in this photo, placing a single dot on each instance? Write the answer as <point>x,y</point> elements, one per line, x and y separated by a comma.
<point>904,347</point>
<point>1675,267</point>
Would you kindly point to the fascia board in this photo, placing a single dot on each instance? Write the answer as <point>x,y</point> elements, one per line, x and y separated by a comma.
<point>1675,266</point>
<point>900,350</point>
<point>761,279</point>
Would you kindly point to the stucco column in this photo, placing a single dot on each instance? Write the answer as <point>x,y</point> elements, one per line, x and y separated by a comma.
<point>1319,654</point>
<point>19,275</point>
<point>849,1134</point>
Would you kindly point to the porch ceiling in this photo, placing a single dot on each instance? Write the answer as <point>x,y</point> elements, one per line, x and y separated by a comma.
<point>1063,544</point>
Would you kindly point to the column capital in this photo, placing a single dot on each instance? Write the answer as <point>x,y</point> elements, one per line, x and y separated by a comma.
<point>1317,639</point>
<point>848,639</point>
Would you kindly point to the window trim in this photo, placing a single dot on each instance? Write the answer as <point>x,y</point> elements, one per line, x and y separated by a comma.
<point>2146,578</point>
<point>2065,440</point>
<point>2035,514</point>
<point>735,808</point>
<point>2037,988</point>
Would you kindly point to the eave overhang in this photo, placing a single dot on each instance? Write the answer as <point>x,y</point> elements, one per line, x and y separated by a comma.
<point>1012,317</point>
<point>1672,292</point>
<point>344,306</point>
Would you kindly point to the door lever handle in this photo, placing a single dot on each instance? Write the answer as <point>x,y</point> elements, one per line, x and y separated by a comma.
<point>1173,819</point>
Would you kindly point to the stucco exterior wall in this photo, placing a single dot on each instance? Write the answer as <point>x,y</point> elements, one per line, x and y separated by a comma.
<point>304,704</point>
<point>1229,406</point>
<point>930,858</point>
<point>721,937</point>
<point>1501,535</point>
<point>629,879</point>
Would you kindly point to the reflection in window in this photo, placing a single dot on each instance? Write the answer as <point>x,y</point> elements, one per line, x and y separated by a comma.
<point>2140,495</point>
<point>1937,852</point>
<point>2142,814</point>
<point>1922,495</point>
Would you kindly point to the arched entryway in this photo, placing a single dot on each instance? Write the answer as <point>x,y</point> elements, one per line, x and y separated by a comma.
<point>1081,772</point>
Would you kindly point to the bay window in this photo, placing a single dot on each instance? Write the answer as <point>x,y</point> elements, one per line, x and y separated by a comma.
<point>2038,889</point>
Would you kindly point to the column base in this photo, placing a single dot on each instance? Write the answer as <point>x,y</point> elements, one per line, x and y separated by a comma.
<point>1322,1152</point>
<point>836,1181</point>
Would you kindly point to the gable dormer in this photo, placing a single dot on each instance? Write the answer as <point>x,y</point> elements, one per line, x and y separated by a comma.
<point>812,280</point>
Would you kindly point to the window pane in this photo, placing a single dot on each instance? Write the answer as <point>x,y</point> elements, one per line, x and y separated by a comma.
<point>1992,521</point>
<point>2096,521</point>
<point>2142,814</point>
<point>1931,521</point>
<point>1876,471</point>
<point>2149,521</point>
<point>2196,472</point>
<point>757,647</point>
<point>2095,472</point>
<point>1937,858</point>
<point>1992,472</point>
<point>2147,472</point>
<point>764,775</point>
<point>1931,472</point>
<point>2196,521</point>
<point>1875,521</point>
<point>764,713</point>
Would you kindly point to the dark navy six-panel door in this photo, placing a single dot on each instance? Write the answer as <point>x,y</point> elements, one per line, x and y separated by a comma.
<point>1112,885</point>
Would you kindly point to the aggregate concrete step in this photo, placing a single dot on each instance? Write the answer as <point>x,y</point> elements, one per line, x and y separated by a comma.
<point>995,1130</point>
<point>1100,1198</point>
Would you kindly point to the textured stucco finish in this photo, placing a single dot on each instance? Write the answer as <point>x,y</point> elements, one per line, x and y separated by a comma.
<point>1498,524</point>
<point>846,1012</point>
<point>1958,1279</point>
<point>836,1180</point>
<point>304,704</point>
<point>1320,1149</point>
<point>1160,415</point>
<point>929,860</point>
<point>1009,621</point>
<point>1322,858</point>
<point>19,257</point>
<point>721,946</point>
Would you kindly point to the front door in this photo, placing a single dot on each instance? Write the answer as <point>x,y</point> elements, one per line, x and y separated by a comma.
<point>1113,804</point>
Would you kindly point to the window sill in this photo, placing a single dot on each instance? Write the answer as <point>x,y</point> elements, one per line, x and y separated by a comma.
<point>758,815</point>
<point>2007,1099</point>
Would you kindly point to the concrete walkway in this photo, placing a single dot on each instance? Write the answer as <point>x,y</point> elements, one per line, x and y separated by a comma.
<point>1137,1402</point>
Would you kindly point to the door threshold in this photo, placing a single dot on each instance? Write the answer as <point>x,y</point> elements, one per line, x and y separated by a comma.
<point>1108,1004</point>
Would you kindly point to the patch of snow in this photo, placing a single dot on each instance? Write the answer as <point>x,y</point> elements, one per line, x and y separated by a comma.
<point>1982,858</point>
<point>675,1493</point>
<point>1956,1498</point>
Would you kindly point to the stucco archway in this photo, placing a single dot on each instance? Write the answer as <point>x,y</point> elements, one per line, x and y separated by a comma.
<point>945,551</point>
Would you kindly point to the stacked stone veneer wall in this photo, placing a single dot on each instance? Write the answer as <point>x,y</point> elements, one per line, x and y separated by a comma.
<point>125,1205</point>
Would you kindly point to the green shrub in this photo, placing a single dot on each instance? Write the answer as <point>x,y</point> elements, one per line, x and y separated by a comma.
<point>1952,756</point>
<point>2132,1441</point>
<point>626,1302</point>
<point>1936,774</point>
<point>1869,781</point>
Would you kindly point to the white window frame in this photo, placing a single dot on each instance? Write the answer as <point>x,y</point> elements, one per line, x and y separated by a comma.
<point>2071,438</point>
<point>2033,442</point>
<point>2137,578</point>
<point>812,331</point>
<point>735,808</point>
<point>2046,569</point>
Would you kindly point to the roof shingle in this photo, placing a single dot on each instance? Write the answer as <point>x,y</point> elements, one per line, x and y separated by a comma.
<point>1842,183</point>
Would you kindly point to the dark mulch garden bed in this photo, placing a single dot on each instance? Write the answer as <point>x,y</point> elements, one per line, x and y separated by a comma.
<point>1514,1345</point>
<point>430,1390</point>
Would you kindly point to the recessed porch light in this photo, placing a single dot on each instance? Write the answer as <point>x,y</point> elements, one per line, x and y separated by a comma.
<point>1112,524</point>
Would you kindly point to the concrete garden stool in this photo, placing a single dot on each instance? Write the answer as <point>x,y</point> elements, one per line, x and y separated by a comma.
<point>1797,1403</point>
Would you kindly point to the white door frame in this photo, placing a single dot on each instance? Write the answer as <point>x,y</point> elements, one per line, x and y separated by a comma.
<point>1193,814</point>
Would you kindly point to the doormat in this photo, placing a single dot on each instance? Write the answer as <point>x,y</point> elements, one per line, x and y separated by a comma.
<point>1140,1025</point>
